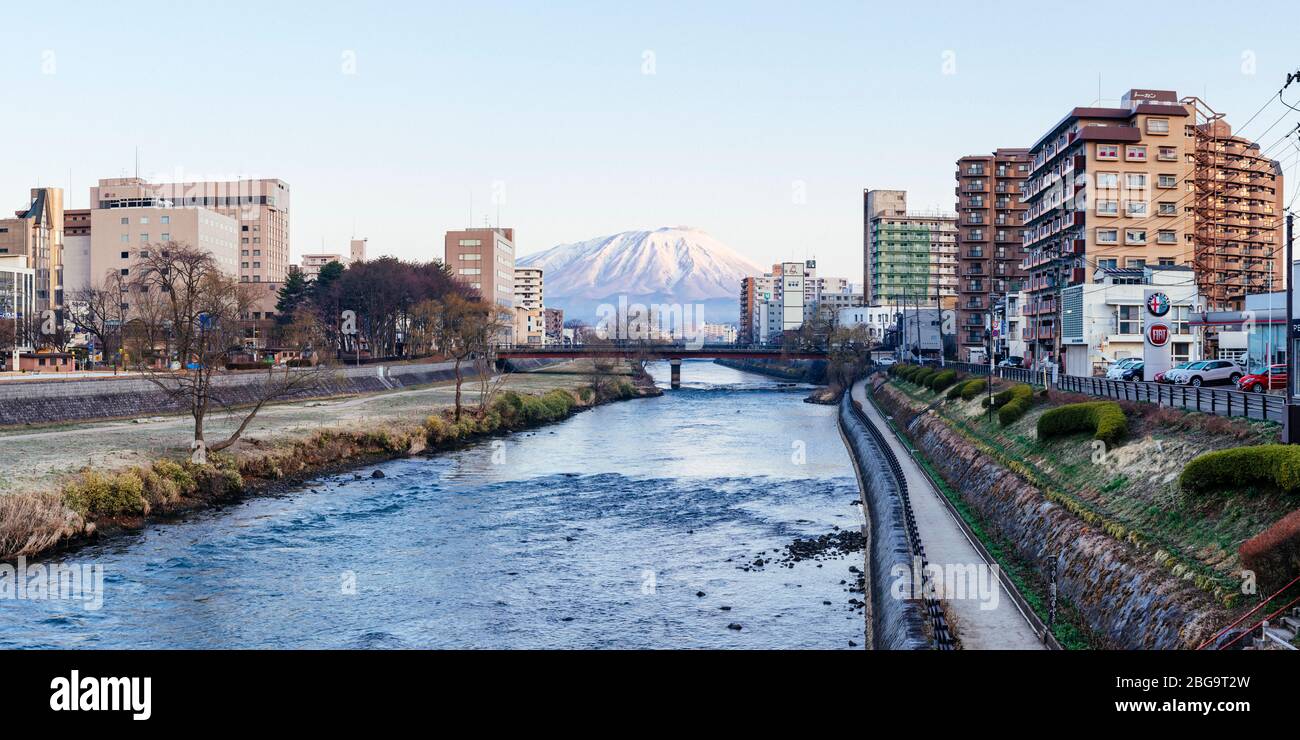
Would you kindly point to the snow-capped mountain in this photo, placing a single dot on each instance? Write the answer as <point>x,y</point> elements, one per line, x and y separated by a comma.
<point>668,265</point>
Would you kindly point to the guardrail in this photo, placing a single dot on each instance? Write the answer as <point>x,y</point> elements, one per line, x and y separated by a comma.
<point>1216,401</point>
<point>934,610</point>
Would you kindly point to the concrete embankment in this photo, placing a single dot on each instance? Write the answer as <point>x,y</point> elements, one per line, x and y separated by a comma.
<point>795,371</point>
<point>1125,598</point>
<point>892,623</point>
<point>82,399</point>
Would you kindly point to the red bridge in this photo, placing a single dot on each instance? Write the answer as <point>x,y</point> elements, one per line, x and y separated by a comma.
<point>674,353</point>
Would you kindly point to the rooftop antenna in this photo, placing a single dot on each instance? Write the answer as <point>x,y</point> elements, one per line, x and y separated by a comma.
<point>137,163</point>
<point>470,222</point>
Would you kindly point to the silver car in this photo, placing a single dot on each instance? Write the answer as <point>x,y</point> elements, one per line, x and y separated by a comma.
<point>1208,372</point>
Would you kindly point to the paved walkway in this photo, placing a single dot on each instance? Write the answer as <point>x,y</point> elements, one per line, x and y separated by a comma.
<point>999,628</point>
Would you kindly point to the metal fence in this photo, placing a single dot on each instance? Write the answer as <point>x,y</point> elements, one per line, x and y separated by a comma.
<point>1217,401</point>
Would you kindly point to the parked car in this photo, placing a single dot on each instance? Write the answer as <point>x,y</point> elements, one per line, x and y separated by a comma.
<point>886,361</point>
<point>1116,371</point>
<point>1134,371</point>
<point>1264,378</point>
<point>1163,375</point>
<point>1012,361</point>
<point>1208,372</point>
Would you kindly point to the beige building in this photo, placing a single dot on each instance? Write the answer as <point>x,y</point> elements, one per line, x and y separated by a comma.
<point>36,232</point>
<point>358,250</point>
<point>260,208</point>
<point>530,314</point>
<point>312,263</point>
<point>484,260</point>
<point>120,236</point>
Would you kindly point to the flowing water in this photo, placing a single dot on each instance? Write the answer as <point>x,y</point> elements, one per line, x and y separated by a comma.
<point>596,532</point>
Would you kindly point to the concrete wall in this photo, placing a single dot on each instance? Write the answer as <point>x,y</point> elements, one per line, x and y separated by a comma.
<point>895,624</point>
<point>81,399</point>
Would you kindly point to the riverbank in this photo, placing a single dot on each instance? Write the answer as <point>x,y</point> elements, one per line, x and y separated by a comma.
<point>795,371</point>
<point>68,497</point>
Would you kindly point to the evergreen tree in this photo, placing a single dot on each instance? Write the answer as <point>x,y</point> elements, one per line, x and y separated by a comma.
<point>292,293</point>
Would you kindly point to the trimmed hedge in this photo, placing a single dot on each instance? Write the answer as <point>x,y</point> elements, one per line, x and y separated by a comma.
<point>956,390</point>
<point>1274,554</point>
<point>1105,419</point>
<point>973,388</point>
<point>1014,404</point>
<point>1276,466</point>
<point>921,376</point>
<point>942,379</point>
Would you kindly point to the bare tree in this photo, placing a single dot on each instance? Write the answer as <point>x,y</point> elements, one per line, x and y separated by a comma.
<point>99,311</point>
<point>188,316</point>
<point>462,329</point>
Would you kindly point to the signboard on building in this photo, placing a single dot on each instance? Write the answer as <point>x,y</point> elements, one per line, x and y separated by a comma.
<point>1155,344</point>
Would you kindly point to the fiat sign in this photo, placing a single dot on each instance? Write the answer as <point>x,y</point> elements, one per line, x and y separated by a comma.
<point>1158,335</point>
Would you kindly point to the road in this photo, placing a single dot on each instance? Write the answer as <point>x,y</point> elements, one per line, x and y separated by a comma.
<point>978,627</point>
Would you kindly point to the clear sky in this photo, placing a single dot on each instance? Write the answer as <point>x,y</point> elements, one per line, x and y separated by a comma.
<point>760,122</point>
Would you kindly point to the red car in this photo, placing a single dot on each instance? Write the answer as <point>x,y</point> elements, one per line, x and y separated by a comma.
<point>1263,379</point>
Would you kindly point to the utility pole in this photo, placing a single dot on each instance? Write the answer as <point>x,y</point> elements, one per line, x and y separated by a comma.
<point>1289,333</point>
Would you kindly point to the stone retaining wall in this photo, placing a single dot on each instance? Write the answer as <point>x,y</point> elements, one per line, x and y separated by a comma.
<point>895,624</point>
<point>1127,600</point>
<point>82,399</point>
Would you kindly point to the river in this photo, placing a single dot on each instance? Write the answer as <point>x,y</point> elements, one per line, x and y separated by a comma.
<point>597,532</point>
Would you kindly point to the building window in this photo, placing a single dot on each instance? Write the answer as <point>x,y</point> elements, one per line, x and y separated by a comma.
<point>1108,264</point>
<point>1135,236</point>
<point>1135,208</point>
<point>126,255</point>
<point>1157,125</point>
<point>166,237</point>
<point>1167,154</point>
<point>470,243</point>
<point>1167,181</point>
<point>1107,151</point>
<point>1136,180</point>
<point>1108,236</point>
<point>1166,262</point>
<point>144,220</point>
<point>144,238</point>
<point>1128,319</point>
<point>126,238</point>
<point>125,271</point>
<point>1166,236</point>
<point>166,219</point>
<point>1179,316</point>
<point>126,221</point>
<point>1107,208</point>
<point>1135,263</point>
<point>1135,153</point>
<point>244,265</point>
<point>1167,209</point>
<point>1107,180</point>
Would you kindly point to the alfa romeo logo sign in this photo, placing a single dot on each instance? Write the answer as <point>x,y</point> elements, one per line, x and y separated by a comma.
<point>1158,334</point>
<point>1158,304</point>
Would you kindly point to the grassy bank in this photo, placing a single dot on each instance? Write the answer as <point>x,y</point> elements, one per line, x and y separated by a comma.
<point>1130,490</point>
<point>96,502</point>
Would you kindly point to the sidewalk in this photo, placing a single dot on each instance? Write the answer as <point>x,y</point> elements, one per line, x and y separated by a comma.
<point>1000,628</point>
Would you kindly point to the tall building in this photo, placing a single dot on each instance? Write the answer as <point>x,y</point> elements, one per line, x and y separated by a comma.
<point>484,260</point>
<point>990,222</point>
<point>754,292</point>
<point>120,237</point>
<point>311,263</point>
<point>909,257</point>
<point>530,319</point>
<point>1156,181</point>
<point>261,208</point>
<point>358,250</point>
<point>17,302</point>
<point>76,251</point>
<point>36,232</point>
<point>1237,208</point>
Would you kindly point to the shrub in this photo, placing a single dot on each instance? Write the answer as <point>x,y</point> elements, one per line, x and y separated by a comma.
<point>1244,467</point>
<point>1105,419</point>
<point>921,376</point>
<point>99,494</point>
<point>1274,554</point>
<point>175,472</point>
<point>955,391</point>
<point>942,379</point>
<point>972,388</point>
<point>1017,401</point>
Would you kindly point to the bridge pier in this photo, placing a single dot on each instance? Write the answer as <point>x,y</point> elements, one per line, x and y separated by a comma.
<point>676,365</point>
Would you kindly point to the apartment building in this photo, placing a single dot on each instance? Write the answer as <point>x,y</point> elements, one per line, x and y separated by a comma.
<point>530,311</point>
<point>76,251</point>
<point>120,237</point>
<point>754,291</point>
<point>17,302</point>
<point>990,224</point>
<point>36,232</point>
<point>311,264</point>
<point>261,208</point>
<point>909,257</point>
<point>484,260</point>
<point>1107,188</point>
<point>553,318</point>
<point>1237,212</point>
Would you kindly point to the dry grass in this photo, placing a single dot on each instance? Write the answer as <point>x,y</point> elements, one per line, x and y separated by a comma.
<point>33,522</point>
